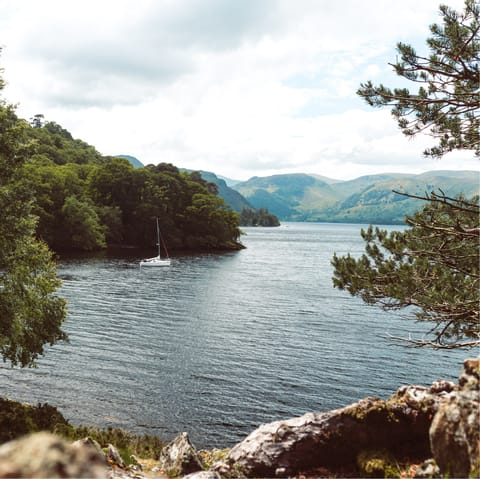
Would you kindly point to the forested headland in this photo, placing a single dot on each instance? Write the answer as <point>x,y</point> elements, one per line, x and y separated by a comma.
<point>85,201</point>
<point>260,217</point>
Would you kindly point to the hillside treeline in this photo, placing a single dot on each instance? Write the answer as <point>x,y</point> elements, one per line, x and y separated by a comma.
<point>260,217</point>
<point>86,201</point>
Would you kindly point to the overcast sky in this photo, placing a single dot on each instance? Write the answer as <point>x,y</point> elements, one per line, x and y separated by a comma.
<point>237,87</point>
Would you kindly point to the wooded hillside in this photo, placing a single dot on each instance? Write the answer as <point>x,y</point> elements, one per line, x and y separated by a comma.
<point>86,201</point>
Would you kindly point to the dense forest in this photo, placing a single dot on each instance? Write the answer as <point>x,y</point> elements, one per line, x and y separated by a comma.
<point>86,201</point>
<point>260,217</point>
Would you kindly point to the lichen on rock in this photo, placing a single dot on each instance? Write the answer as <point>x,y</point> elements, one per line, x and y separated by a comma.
<point>180,457</point>
<point>455,429</point>
<point>282,448</point>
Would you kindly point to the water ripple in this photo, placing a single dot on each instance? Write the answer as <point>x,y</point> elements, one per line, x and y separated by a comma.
<point>217,344</point>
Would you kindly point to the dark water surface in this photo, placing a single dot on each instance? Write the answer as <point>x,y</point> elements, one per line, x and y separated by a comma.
<point>217,344</point>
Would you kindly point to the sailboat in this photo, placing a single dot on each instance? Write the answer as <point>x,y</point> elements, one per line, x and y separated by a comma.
<point>157,260</point>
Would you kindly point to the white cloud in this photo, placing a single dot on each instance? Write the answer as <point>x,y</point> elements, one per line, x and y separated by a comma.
<point>238,88</point>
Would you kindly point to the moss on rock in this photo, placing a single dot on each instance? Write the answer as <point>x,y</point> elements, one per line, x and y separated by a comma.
<point>377,463</point>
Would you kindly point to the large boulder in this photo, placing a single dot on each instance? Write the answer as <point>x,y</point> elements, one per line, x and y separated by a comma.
<point>282,448</point>
<point>43,455</point>
<point>180,457</point>
<point>455,429</point>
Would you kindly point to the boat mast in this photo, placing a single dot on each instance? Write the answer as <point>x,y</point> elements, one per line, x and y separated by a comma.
<point>158,238</point>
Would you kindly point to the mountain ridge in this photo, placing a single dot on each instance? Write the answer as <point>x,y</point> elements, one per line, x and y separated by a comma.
<point>317,198</point>
<point>369,198</point>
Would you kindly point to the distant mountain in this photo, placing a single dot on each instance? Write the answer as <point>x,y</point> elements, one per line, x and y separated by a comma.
<point>231,197</point>
<point>134,161</point>
<point>368,199</point>
<point>231,183</point>
<point>291,196</point>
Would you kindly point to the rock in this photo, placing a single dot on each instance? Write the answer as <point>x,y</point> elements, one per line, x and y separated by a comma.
<point>43,455</point>
<point>116,473</point>
<point>134,463</point>
<point>203,475</point>
<point>283,448</point>
<point>455,430</point>
<point>113,456</point>
<point>116,468</point>
<point>180,457</point>
<point>427,470</point>
<point>89,442</point>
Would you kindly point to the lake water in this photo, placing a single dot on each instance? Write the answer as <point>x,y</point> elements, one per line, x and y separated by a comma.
<point>217,344</point>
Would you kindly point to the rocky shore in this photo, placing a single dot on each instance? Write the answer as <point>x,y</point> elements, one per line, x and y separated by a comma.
<point>436,430</point>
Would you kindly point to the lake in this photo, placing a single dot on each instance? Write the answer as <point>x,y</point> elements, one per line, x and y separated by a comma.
<point>217,344</point>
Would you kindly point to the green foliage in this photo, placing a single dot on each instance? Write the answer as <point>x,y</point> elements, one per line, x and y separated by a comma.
<point>210,457</point>
<point>136,163</point>
<point>377,464</point>
<point>432,266</point>
<point>141,445</point>
<point>18,419</point>
<point>446,103</point>
<point>261,217</point>
<point>85,201</point>
<point>30,313</point>
<point>208,215</point>
<point>82,224</point>
<point>54,142</point>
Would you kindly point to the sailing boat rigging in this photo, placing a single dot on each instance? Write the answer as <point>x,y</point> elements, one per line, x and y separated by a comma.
<point>157,260</point>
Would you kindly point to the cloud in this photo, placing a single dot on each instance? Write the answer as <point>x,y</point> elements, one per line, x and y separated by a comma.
<point>110,53</point>
<point>239,88</point>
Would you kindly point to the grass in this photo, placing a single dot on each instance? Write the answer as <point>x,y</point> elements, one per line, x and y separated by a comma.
<point>17,419</point>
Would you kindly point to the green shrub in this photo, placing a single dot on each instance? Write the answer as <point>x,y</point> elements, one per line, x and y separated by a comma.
<point>145,446</point>
<point>377,463</point>
<point>17,419</point>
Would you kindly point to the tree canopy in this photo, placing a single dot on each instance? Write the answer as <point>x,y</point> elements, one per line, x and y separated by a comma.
<point>446,104</point>
<point>31,314</point>
<point>260,217</point>
<point>85,201</point>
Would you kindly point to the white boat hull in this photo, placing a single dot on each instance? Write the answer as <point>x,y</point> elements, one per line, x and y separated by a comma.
<point>155,262</point>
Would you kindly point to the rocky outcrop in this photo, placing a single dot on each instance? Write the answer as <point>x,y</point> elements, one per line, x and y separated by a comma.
<point>455,429</point>
<point>44,455</point>
<point>366,437</point>
<point>180,457</point>
<point>282,448</point>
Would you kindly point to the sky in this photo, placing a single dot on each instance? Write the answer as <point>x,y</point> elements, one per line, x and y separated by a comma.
<point>241,88</point>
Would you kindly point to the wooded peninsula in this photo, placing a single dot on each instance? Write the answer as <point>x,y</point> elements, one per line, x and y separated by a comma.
<point>85,201</point>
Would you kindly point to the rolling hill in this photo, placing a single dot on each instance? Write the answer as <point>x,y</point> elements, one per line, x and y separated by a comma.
<point>368,199</point>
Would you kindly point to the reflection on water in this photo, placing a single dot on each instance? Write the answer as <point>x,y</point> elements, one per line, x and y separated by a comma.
<point>217,344</point>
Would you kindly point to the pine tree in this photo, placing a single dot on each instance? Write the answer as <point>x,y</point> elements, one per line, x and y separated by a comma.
<point>446,104</point>
<point>433,266</point>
